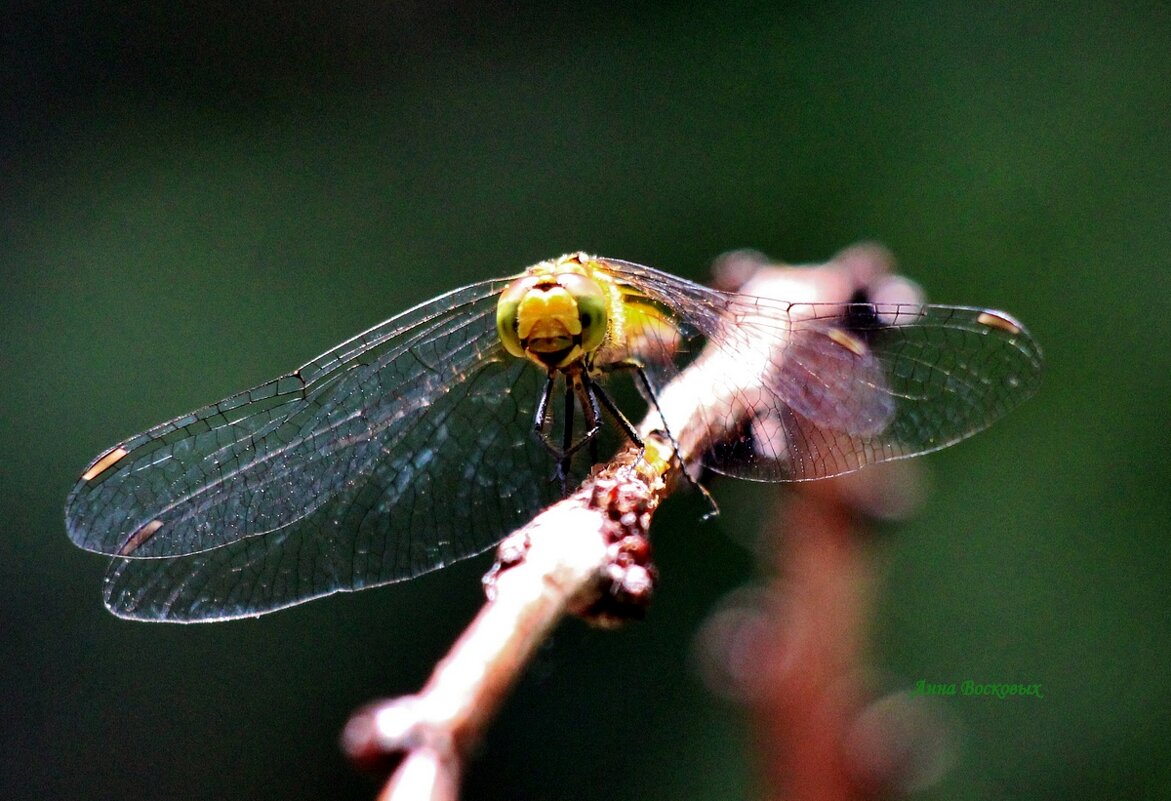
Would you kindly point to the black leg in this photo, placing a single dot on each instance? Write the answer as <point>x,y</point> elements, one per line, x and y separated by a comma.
<point>652,398</point>
<point>566,441</point>
<point>593,415</point>
<point>563,452</point>
<point>596,394</point>
<point>540,416</point>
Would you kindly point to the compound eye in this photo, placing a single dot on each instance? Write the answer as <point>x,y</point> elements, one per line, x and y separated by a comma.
<point>592,308</point>
<point>507,315</point>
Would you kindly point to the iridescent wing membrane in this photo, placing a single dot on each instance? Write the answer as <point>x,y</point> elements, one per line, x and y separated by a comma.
<point>411,445</point>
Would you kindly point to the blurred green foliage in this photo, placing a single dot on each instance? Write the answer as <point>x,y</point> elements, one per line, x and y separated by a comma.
<point>197,197</point>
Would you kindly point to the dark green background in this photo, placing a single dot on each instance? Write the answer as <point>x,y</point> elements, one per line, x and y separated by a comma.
<point>195,199</point>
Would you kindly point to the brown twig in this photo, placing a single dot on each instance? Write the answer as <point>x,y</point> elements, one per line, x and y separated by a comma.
<point>580,555</point>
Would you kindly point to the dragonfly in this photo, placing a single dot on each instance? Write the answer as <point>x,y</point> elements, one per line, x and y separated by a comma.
<point>429,437</point>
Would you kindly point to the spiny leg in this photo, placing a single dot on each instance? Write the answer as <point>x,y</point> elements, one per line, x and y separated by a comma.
<point>652,398</point>
<point>566,442</point>
<point>597,394</point>
<point>563,452</point>
<point>541,423</point>
<point>541,414</point>
<point>589,407</point>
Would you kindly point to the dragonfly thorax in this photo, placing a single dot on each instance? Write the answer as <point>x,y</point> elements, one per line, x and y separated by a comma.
<point>556,314</point>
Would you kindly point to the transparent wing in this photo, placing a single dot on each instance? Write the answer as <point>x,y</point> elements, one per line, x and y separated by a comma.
<point>805,391</point>
<point>397,452</point>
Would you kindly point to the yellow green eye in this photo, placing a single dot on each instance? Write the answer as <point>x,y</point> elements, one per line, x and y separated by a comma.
<point>507,315</point>
<point>592,308</point>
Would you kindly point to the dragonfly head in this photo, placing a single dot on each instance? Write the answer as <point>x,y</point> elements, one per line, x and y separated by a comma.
<point>555,315</point>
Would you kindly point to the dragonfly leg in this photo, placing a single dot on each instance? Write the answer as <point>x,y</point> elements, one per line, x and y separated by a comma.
<point>563,452</point>
<point>589,405</point>
<point>596,394</point>
<point>652,398</point>
<point>593,416</point>
<point>563,463</point>
<point>541,414</point>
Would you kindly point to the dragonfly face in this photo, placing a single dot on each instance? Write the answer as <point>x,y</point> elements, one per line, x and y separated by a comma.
<point>411,445</point>
<point>557,314</point>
